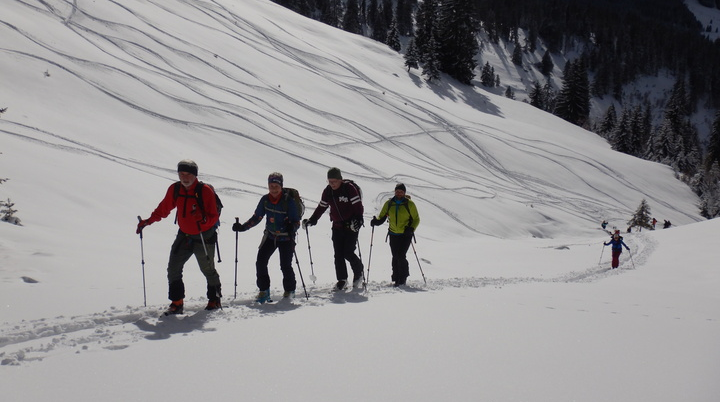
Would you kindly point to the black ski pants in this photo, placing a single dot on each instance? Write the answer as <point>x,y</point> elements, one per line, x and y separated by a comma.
<point>344,241</point>
<point>399,245</point>
<point>267,248</point>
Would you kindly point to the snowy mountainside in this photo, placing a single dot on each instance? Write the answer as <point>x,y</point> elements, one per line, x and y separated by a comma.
<point>114,81</point>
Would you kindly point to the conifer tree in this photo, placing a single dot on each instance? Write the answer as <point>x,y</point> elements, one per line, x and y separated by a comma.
<point>393,38</point>
<point>621,135</point>
<point>487,75</point>
<point>536,96</point>
<point>609,121</point>
<point>573,102</point>
<point>546,65</point>
<point>509,92</point>
<point>642,217</point>
<point>351,19</point>
<point>404,15</point>
<point>713,151</point>
<point>431,67</point>
<point>517,55</point>
<point>426,17</point>
<point>331,12</point>
<point>457,43</point>
<point>411,55</point>
<point>380,26</point>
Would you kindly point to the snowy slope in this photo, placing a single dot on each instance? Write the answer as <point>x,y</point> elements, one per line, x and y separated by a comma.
<point>105,97</point>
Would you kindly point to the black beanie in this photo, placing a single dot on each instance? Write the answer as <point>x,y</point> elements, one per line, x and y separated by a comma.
<point>334,173</point>
<point>400,186</point>
<point>186,165</point>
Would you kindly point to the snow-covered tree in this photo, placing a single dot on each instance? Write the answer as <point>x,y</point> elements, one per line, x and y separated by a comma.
<point>412,56</point>
<point>431,67</point>
<point>393,37</point>
<point>642,217</point>
<point>7,212</point>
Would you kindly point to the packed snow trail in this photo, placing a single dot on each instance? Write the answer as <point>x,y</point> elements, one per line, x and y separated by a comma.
<point>118,328</point>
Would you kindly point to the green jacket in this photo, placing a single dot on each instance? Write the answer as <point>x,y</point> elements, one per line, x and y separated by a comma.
<point>400,214</point>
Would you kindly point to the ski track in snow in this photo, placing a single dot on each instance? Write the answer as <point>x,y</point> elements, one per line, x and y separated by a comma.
<point>118,328</point>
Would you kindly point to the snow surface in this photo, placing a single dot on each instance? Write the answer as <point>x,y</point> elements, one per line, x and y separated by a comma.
<point>104,98</point>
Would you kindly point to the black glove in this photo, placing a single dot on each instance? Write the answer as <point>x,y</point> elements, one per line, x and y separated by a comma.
<point>141,225</point>
<point>309,222</point>
<point>239,227</point>
<point>409,231</point>
<point>377,222</point>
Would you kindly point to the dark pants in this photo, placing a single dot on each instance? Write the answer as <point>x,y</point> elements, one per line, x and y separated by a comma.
<point>267,248</point>
<point>399,245</point>
<point>182,249</point>
<point>616,258</point>
<point>344,247</point>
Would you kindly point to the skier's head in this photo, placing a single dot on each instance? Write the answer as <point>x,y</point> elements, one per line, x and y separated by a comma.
<point>187,172</point>
<point>189,166</point>
<point>334,173</point>
<point>334,178</point>
<point>275,184</point>
<point>400,191</point>
<point>275,177</point>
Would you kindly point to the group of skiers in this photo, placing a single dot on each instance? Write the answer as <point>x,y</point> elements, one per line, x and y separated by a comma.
<point>198,215</point>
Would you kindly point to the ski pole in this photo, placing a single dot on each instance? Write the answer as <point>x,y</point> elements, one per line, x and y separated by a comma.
<point>360,256</point>
<point>312,269</point>
<point>217,246</point>
<point>202,239</point>
<point>142,256</point>
<point>237,220</point>
<point>372,236</point>
<point>307,296</point>
<point>601,253</point>
<point>631,259</point>
<point>418,259</point>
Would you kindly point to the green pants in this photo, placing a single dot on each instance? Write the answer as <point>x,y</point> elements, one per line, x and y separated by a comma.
<point>182,249</point>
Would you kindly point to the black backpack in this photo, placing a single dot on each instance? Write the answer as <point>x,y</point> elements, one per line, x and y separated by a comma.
<point>198,197</point>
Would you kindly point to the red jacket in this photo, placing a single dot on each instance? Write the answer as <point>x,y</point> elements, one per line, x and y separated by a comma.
<point>188,209</point>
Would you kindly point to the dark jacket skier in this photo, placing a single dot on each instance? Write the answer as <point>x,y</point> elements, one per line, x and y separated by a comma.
<point>346,213</point>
